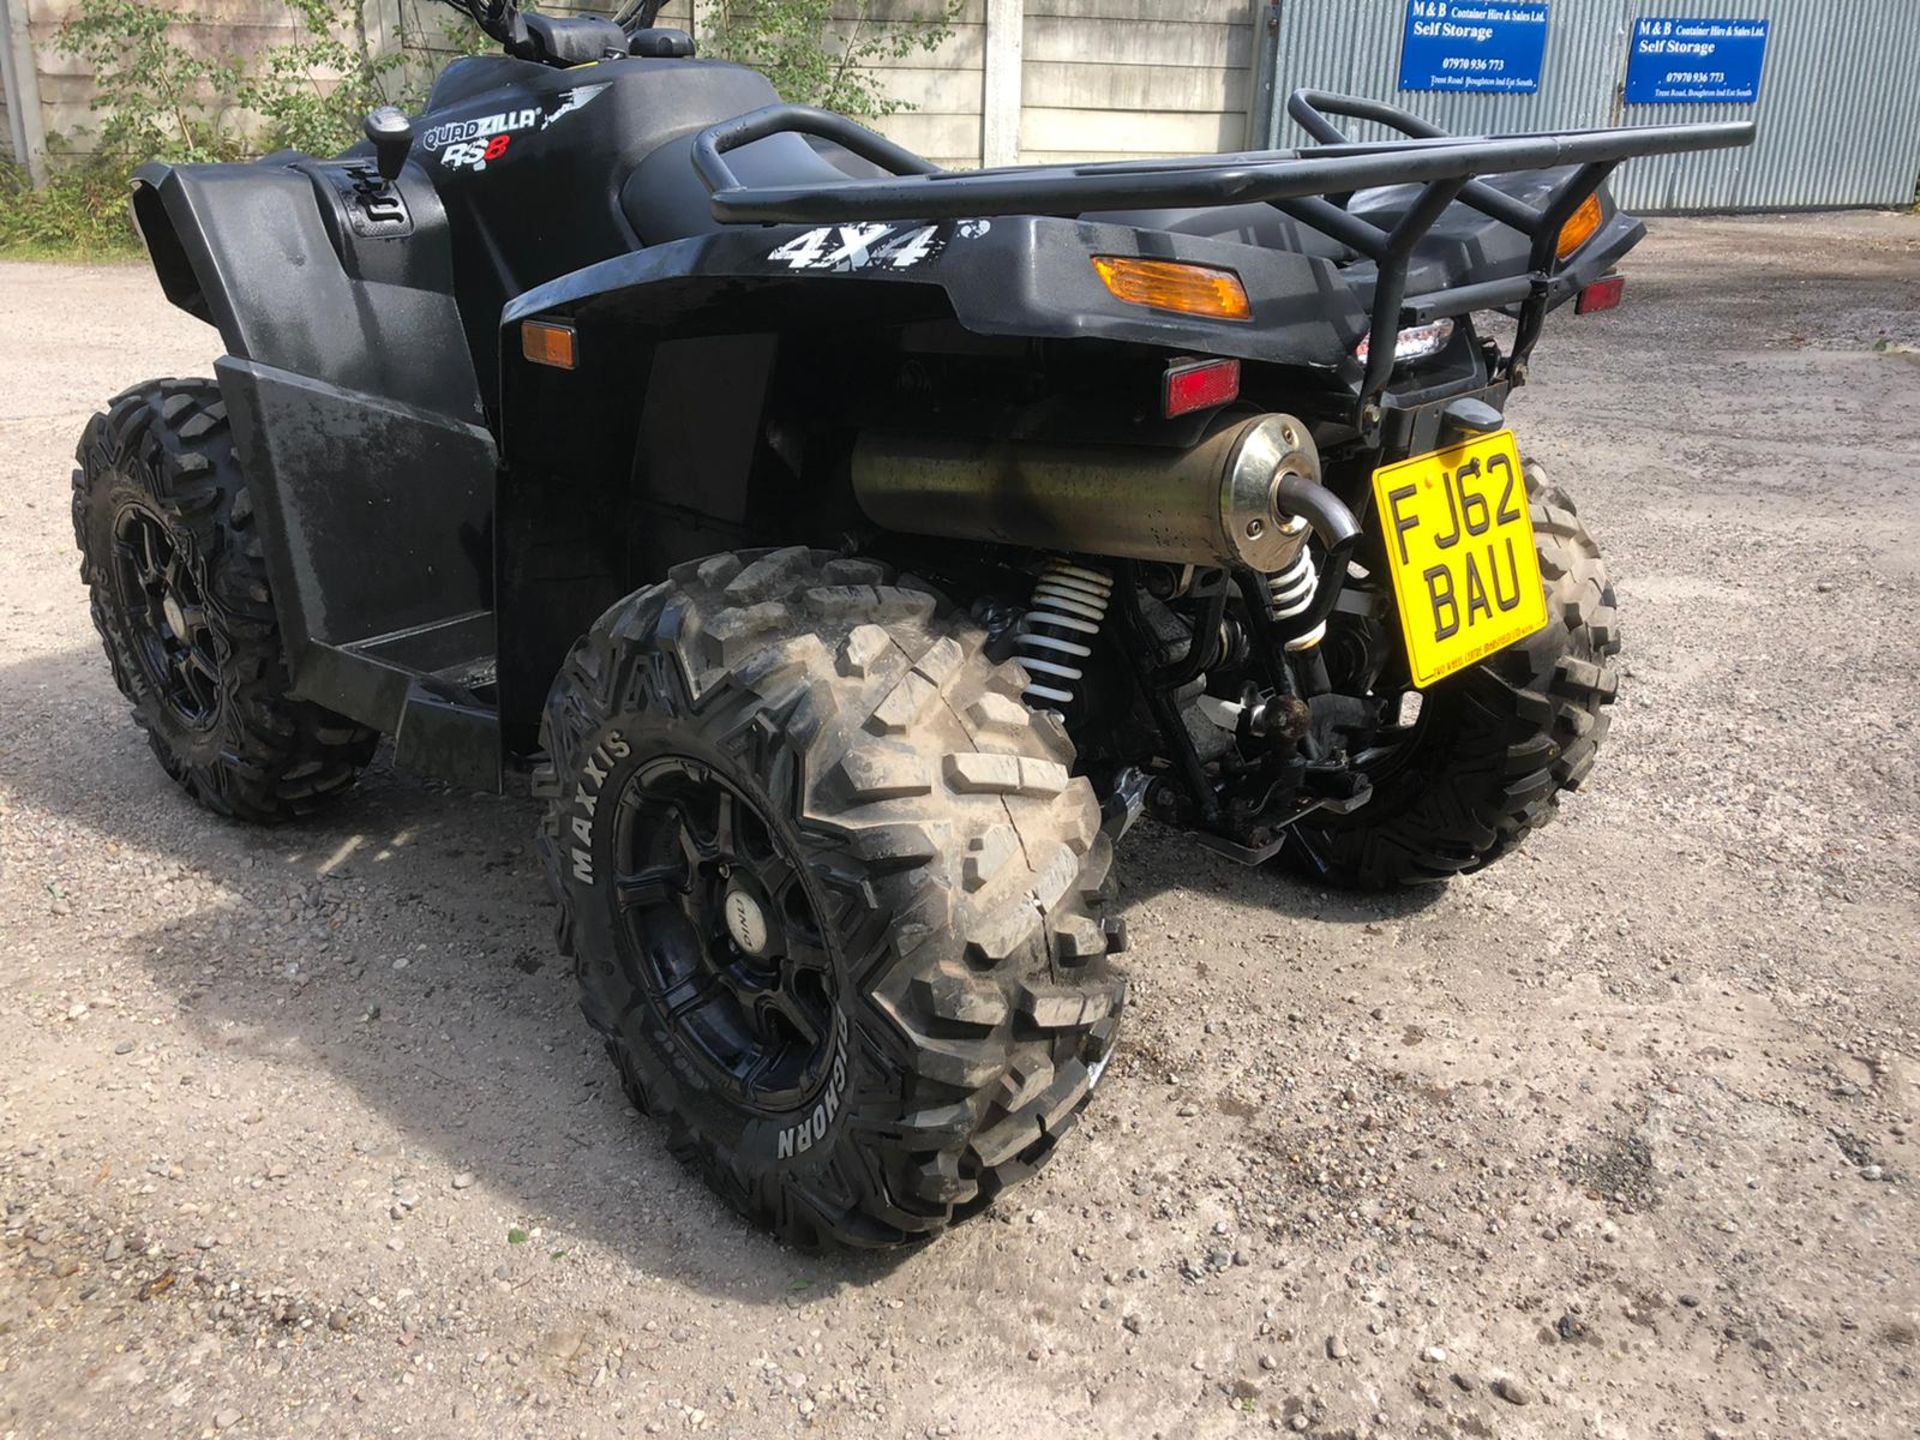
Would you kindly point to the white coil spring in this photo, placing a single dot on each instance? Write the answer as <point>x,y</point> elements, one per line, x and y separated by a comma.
<point>1292,593</point>
<point>1055,636</point>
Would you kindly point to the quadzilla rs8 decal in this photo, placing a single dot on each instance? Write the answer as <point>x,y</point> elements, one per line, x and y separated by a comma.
<point>474,144</point>
<point>475,154</point>
<point>847,553</point>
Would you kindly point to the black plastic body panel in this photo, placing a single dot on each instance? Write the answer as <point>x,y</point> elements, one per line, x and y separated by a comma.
<point>551,201</point>
<point>450,739</point>
<point>666,200</point>
<point>566,514</point>
<point>630,488</point>
<point>281,257</point>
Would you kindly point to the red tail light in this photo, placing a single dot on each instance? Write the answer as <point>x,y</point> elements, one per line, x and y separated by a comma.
<point>1200,385</point>
<point>1601,295</point>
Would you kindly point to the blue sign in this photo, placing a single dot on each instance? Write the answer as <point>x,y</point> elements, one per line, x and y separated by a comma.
<point>1484,45</point>
<point>1696,62</point>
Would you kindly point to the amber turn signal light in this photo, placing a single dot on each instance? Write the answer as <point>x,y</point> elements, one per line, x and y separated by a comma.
<point>1584,225</point>
<point>1170,285</point>
<point>545,343</point>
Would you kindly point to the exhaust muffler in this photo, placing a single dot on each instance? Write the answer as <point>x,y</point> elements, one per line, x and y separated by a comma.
<point>1219,503</point>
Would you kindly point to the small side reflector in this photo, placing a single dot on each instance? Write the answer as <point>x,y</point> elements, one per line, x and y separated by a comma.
<point>1584,225</point>
<point>1200,385</point>
<point>1170,285</point>
<point>545,343</point>
<point>1601,295</point>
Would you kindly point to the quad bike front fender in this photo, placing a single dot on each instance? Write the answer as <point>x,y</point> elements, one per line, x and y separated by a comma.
<point>270,254</point>
<point>358,428</point>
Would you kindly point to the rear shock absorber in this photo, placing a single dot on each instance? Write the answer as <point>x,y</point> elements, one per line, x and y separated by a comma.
<point>1055,638</point>
<point>1291,593</point>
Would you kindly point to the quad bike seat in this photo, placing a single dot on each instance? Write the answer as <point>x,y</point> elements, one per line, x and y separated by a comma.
<point>666,200</point>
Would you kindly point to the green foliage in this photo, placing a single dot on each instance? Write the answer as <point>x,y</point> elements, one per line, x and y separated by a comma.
<point>82,212</point>
<point>164,99</point>
<point>819,52</point>
<point>159,97</point>
<point>302,110</point>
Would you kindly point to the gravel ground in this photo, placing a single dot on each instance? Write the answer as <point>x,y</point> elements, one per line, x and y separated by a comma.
<point>300,1133</point>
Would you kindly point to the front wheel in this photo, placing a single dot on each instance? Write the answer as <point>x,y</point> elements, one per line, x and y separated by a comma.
<point>1494,746</point>
<point>180,596</point>
<point>832,894</point>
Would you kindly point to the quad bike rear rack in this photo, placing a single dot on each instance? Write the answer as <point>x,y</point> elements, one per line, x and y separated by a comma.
<point>1313,186</point>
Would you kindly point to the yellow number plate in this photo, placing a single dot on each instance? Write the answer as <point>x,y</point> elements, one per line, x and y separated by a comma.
<point>1460,546</point>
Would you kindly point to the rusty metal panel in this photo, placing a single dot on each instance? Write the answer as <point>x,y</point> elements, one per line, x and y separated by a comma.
<point>1839,112</point>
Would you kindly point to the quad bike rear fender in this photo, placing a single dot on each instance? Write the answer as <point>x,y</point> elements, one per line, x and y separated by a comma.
<point>359,429</point>
<point>1025,276</point>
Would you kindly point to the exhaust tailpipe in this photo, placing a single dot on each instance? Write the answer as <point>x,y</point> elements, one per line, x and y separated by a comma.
<point>1219,503</point>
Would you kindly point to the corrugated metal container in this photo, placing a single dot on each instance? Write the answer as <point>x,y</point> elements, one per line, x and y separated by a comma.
<point>1353,47</point>
<point>1839,112</point>
<point>1839,106</point>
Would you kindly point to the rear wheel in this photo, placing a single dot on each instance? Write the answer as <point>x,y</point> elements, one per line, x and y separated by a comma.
<point>1485,762</point>
<point>180,597</point>
<point>831,893</point>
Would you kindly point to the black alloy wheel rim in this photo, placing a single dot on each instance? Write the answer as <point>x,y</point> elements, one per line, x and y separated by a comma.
<point>166,612</point>
<point>757,1016</point>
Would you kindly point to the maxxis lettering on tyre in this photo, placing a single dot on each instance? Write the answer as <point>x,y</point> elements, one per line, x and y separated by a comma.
<point>599,764</point>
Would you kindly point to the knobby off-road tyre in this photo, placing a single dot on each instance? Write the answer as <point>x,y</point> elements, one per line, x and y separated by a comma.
<point>1495,745</point>
<point>179,589</point>
<point>940,868</point>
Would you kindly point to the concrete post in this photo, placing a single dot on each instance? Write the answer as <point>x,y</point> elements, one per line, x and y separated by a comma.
<point>1000,102</point>
<point>703,21</point>
<point>21,75</point>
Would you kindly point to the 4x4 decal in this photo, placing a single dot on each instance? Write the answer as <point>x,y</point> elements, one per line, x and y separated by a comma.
<point>869,246</point>
<point>476,144</point>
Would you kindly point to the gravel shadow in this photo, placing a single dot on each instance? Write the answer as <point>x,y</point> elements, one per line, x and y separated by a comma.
<point>402,944</point>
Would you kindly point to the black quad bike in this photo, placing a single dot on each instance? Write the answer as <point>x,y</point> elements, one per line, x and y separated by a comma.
<point>850,551</point>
